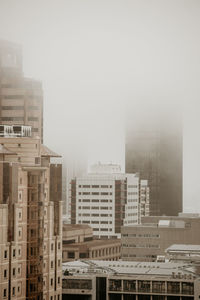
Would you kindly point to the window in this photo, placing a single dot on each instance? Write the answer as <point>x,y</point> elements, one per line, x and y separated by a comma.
<point>18,270</point>
<point>173,287</point>
<point>5,273</point>
<point>51,281</point>
<point>14,252</point>
<point>5,292</point>
<point>13,291</point>
<point>59,245</point>
<point>58,280</point>
<point>14,272</point>
<point>52,264</point>
<point>71,255</point>
<point>5,254</point>
<point>143,286</point>
<point>51,247</point>
<point>59,262</point>
<point>129,285</point>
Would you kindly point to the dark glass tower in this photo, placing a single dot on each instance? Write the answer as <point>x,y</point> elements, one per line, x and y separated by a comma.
<point>154,149</point>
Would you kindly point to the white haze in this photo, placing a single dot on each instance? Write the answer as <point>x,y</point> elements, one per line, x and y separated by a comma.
<point>99,59</point>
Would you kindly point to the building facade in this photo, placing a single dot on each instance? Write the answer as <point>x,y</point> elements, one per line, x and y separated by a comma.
<point>31,222</point>
<point>100,280</point>
<point>21,99</point>
<point>155,152</point>
<point>30,189</point>
<point>107,199</point>
<point>78,243</point>
<point>150,239</point>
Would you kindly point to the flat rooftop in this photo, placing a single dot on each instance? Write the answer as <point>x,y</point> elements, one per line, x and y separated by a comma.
<point>153,269</point>
<point>94,243</point>
<point>184,248</point>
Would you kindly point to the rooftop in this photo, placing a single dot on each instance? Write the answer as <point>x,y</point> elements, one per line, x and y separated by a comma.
<point>154,269</point>
<point>183,248</point>
<point>94,243</point>
<point>45,151</point>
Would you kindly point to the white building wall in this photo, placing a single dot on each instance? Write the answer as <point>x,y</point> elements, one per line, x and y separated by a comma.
<point>95,201</point>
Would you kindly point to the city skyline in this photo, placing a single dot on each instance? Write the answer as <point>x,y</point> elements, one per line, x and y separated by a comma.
<point>99,58</point>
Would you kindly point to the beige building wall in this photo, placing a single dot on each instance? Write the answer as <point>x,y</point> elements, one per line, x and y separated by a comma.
<point>31,234</point>
<point>150,239</point>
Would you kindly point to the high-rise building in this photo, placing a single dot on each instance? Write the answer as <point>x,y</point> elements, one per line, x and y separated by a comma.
<point>107,199</point>
<point>21,99</point>
<point>154,150</point>
<point>30,190</point>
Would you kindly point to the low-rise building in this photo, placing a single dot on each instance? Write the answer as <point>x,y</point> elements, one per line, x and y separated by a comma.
<point>78,243</point>
<point>181,252</point>
<point>148,240</point>
<point>122,280</point>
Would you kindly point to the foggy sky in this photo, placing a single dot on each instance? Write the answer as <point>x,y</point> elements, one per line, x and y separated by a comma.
<point>101,60</point>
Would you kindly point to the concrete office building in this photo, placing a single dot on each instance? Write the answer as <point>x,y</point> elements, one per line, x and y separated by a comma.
<point>148,240</point>
<point>154,150</point>
<point>79,243</point>
<point>122,280</point>
<point>106,199</point>
<point>21,99</point>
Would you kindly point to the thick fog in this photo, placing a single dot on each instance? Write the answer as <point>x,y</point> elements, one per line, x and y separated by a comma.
<point>105,62</point>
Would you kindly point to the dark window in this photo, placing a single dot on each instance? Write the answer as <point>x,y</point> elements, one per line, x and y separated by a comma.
<point>173,287</point>
<point>115,285</point>
<point>5,254</point>
<point>32,118</point>
<point>5,292</point>
<point>13,96</point>
<point>71,255</point>
<point>12,107</point>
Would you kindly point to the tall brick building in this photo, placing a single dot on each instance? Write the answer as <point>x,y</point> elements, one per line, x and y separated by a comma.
<point>30,190</point>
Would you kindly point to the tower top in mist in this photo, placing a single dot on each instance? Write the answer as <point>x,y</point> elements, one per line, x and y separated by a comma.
<point>105,168</point>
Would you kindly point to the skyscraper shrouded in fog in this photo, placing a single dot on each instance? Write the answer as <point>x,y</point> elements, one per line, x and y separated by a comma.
<point>21,99</point>
<point>154,149</point>
<point>30,190</point>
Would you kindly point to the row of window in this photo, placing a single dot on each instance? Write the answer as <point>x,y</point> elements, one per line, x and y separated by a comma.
<point>13,291</point>
<point>96,222</point>
<point>94,193</point>
<point>98,215</point>
<point>95,207</point>
<point>133,186</point>
<point>95,186</point>
<point>13,272</point>
<point>95,200</point>
<point>144,235</point>
<point>146,286</point>
<point>141,246</point>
